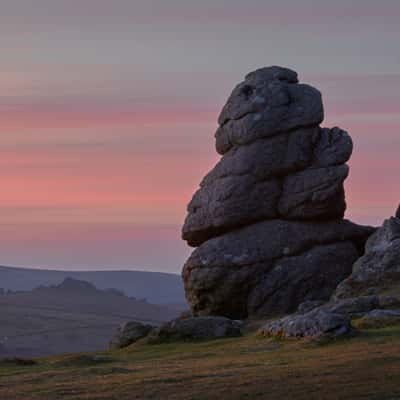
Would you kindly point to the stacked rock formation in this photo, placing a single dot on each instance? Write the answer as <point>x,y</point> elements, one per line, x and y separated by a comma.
<point>268,219</point>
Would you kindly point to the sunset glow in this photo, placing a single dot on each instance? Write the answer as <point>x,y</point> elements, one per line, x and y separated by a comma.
<point>107,126</point>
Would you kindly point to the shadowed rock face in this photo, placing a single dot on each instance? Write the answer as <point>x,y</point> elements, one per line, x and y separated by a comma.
<point>196,329</point>
<point>269,101</point>
<point>379,268</point>
<point>268,217</point>
<point>315,323</point>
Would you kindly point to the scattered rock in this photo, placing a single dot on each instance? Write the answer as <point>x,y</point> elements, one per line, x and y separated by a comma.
<point>196,329</point>
<point>268,218</point>
<point>129,333</point>
<point>379,319</point>
<point>379,268</point>
<point>315,323</point>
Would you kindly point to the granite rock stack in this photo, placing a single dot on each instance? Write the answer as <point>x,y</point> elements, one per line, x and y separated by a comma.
<point>267,220</point>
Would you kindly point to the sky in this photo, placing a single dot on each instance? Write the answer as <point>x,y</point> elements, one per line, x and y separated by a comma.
<point>108,111</point>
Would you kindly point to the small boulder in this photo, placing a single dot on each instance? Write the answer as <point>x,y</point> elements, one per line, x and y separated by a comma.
<point>197,328</point>
<point>269,101</point>
<point>359,306</point>
<point>314,324</point>
<point>379,319</point>
<point>129,333</point>
<point>354,306</point>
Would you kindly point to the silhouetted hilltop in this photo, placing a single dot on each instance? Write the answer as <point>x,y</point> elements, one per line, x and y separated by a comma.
<point>75,285</point>
<point>155,287</point>
<point>71,316</point>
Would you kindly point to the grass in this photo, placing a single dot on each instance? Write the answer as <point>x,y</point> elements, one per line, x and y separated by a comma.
<point>366,366</point>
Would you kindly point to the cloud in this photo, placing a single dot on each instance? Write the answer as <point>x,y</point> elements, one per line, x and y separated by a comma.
<point>102,13</point>
<point>93,246</point>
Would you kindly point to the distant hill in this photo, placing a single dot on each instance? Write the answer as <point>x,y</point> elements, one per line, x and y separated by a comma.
<point>73,316</point>
<point>155,287</point>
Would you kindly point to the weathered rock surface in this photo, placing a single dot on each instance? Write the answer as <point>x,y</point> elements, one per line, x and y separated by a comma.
<point>359,306</point>
<point>268,179</point>
<point>271,267</point>
<point>334,147</point>
<point>313,193</point>
<point>379,268</point>
<point>376,272</point>
<point>269,101</point>
<point>379,319</point>
<point>315,323</point>
<point>129,333</point>
<point>268,218</point>
<point>197,328</point>
<point>314,319</point>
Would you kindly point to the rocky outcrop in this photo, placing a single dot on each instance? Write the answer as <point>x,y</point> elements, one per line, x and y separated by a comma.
<point>378,272</point>
<point>316,323</point>
<point>268,218</point>
<point>129,333</point>
<point>199,328</point>
<point>379,268</point>
<point>270,268</point>
<point>333,319</point>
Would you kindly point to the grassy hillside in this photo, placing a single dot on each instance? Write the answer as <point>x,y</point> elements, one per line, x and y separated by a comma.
<point>364,367</point>
<point>73,316</point>
<point>156,287</point>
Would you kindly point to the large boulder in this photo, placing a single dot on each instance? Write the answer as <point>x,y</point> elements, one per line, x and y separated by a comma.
<point>379,319</point>
<point>269,101</point>
<point>268,218</point>
<point>271,267</point>
<point>268,179</point>
<point>246,184</point>
<point>199,328</point>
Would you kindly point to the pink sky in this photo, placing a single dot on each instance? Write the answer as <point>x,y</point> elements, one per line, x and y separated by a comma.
<point>107,117</point>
